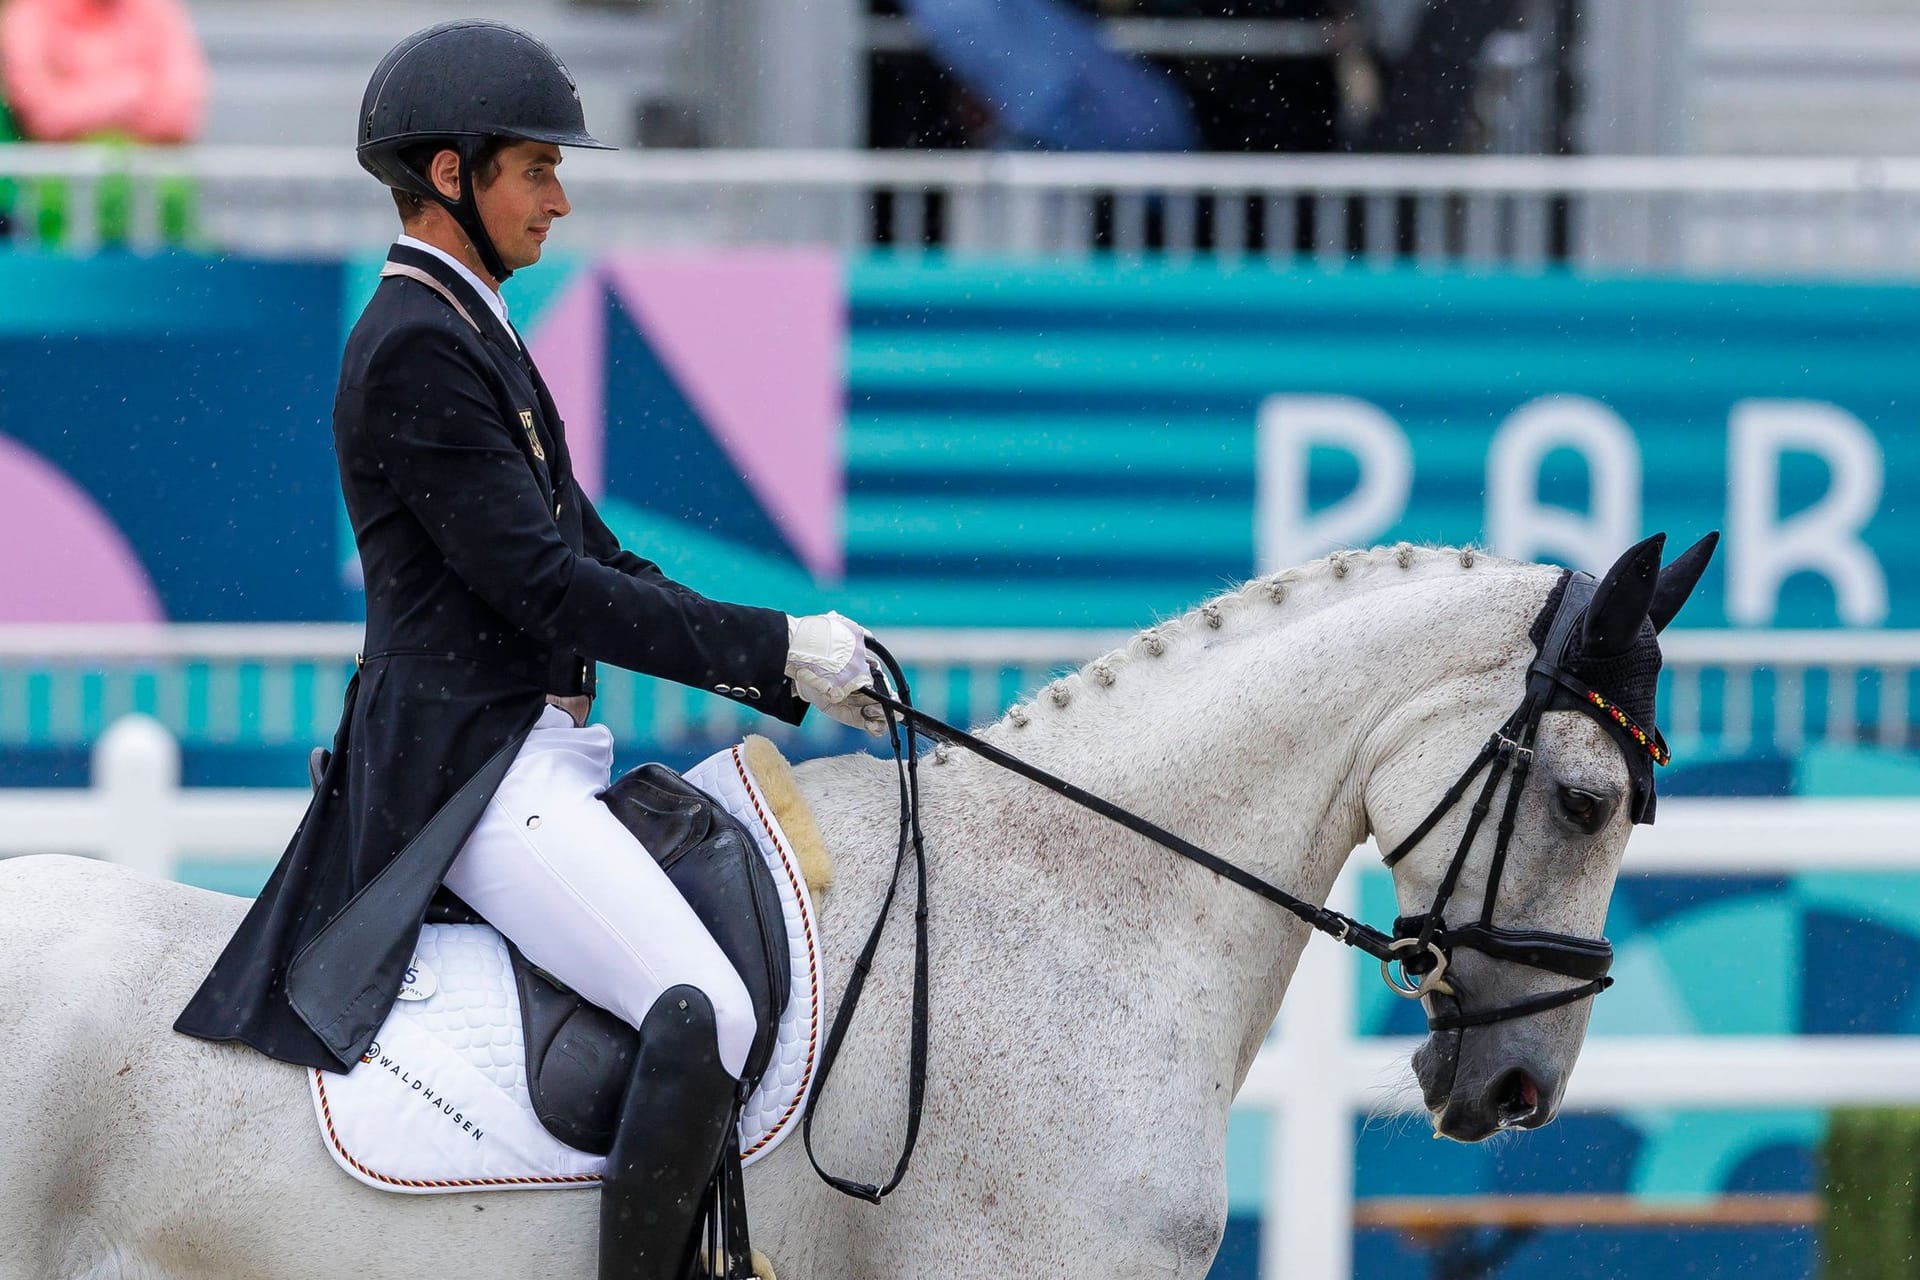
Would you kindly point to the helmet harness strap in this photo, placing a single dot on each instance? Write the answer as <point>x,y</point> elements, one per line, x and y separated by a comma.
<point>466,210</point>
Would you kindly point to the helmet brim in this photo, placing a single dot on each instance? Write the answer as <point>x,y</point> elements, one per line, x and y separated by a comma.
<point>561,138</point>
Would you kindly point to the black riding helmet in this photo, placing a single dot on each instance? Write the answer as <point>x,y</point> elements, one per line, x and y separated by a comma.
<point>459,84</point>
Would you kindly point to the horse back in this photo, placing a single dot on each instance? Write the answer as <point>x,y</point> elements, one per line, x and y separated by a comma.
<point>95,961</point>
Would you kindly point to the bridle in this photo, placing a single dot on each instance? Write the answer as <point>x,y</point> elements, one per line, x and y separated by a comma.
<point>1421,946</point>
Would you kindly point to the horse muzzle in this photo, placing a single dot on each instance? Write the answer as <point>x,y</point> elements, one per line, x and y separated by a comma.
<point>1517,1093</point>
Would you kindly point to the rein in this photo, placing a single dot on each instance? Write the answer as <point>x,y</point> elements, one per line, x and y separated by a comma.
<point>1421,945</point>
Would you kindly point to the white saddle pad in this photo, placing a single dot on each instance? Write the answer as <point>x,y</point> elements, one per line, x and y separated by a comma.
<point>440,1101</point>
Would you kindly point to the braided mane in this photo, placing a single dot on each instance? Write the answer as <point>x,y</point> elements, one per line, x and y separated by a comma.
<point>1212,615</point>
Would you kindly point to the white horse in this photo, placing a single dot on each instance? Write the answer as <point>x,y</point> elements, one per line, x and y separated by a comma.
<point>1096,1001</point>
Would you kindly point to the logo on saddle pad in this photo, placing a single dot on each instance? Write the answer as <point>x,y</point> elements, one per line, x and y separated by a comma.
<point>419,983</point>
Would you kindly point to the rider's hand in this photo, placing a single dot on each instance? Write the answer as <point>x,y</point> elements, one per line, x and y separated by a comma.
<point>827,662</point>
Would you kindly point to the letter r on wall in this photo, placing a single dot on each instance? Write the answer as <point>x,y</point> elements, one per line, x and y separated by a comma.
<point>1764,550</point>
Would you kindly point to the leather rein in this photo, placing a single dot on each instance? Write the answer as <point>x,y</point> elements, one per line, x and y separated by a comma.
<point>1421,946</point>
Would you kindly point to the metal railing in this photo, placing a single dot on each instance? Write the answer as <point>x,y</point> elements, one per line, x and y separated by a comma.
<point>1666,213</point>
<point>1727,692</point>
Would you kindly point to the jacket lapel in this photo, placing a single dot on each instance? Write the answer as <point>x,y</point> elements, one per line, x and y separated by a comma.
<point>479,310</point>
<point>536,420</point>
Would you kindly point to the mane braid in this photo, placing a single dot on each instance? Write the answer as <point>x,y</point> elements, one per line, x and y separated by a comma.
<point>1270,590</point>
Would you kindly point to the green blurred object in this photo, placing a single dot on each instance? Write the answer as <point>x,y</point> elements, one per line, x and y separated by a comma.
<point>50,203</point>
<point>1871,1177</point>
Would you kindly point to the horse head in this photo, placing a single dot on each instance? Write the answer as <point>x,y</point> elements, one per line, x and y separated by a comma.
<point>1503,884</point>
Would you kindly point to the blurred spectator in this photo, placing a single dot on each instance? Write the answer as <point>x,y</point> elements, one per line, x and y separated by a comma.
<point>119,71</point>
<point>78,69</point>
<point>1224,75</point>
<point>1017,72</point>
<point>1049,79</point>
<point>1271,101</point>
<point>1429,85</point>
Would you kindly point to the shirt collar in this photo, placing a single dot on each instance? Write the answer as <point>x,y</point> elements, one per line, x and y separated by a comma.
<point>488,295</point>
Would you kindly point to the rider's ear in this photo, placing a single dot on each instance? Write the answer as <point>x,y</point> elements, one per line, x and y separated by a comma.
<point>1678,579</point>
<point>1620,601</point>
<point>443,171</point>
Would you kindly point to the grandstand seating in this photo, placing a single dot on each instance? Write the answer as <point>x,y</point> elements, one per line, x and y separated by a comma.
<point>292,71</point>
<point>1770,77</point>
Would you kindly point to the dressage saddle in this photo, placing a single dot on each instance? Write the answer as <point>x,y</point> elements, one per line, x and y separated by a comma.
<point>578,1055</point>
<point>653,1099</point>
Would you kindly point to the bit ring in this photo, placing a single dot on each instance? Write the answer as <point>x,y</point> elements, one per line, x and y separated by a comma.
<point>1432,982</point>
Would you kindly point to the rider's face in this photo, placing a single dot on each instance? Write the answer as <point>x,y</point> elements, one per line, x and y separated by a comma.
<point>520,204</point>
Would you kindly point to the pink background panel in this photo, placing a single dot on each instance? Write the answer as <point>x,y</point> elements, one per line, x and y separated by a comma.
<point>756,342</point>
<point>65,560</point>
<point>569,344</point>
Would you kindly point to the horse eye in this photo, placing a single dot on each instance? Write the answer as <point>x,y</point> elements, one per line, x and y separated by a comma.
<point>1583,808</point>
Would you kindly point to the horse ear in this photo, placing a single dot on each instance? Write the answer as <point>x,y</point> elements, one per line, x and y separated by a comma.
<point>1621,600</point>
<point>1678,580</point>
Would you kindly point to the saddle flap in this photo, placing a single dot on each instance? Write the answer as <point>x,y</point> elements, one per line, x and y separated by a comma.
<point>715,864</point>
<point>578,1055</point>
<point>579,1059</point>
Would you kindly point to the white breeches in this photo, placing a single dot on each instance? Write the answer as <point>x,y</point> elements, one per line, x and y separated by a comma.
<point>550,867</point>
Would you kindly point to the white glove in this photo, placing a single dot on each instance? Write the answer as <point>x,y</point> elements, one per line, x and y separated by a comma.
<point>827,662</point>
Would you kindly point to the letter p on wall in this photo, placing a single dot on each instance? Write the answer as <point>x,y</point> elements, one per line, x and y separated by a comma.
<point>1288,531</point>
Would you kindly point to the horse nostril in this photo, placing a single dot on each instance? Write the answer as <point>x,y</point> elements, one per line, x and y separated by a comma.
<point>1516,1100</point>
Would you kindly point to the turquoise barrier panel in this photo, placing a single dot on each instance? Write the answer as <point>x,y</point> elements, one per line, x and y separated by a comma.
<point>931,443</point>
<point>979,444</point>
<point>1088,444</point>
<point>164,447</point>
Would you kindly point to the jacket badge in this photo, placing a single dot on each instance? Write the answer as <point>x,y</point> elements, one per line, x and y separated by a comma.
<point>533,437</point>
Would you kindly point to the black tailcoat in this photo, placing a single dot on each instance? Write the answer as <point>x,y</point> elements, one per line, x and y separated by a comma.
<point>490,582</point>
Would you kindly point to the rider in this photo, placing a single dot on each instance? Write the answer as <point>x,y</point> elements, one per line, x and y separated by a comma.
<point>463,761</point>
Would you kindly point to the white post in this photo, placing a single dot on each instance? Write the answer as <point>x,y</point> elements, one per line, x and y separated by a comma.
<point>1306,1229</point>
<point>136,774</point>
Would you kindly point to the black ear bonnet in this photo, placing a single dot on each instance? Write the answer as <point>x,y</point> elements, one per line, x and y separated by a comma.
<point>1625,679</point>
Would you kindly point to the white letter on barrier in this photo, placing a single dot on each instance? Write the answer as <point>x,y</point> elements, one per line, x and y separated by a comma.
<point>1765,550</point>
<point>1286,531</point>
<point>1520,526</point>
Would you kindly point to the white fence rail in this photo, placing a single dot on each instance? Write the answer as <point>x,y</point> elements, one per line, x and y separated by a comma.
<point>1736,691</point>
<point>1670,213</point>
<point>1317,1074</point>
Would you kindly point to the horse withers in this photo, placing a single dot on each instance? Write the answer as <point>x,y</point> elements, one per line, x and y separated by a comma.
<point>1096,1001</point>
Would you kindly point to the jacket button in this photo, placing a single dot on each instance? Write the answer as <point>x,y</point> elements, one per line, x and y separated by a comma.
<point>753,692</point>
<point>737,692</point>
<point>720,689</point>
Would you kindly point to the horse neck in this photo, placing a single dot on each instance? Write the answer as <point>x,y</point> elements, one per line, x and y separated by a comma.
<point>1254,738</point>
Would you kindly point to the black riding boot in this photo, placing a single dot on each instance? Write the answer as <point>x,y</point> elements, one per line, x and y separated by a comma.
<point>673,1130</point>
